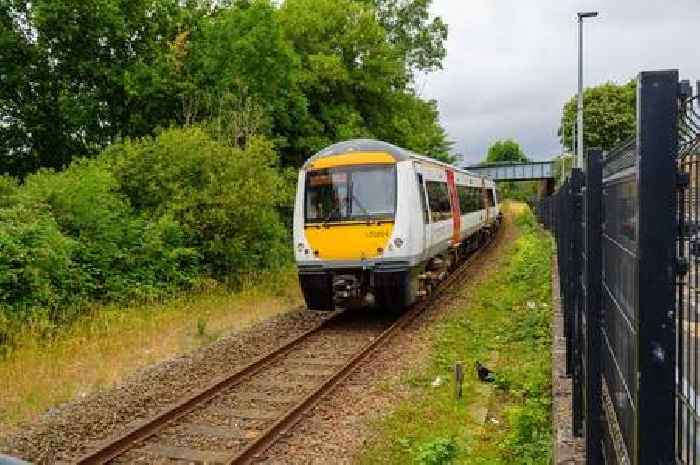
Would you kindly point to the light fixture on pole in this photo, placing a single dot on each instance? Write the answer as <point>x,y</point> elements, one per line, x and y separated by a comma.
<point>579,106</point>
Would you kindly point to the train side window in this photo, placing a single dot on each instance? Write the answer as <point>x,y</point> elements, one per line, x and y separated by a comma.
<point>439,200</point>
<point>475,200</point>
<point>463,194</point>
<point>423,204</point>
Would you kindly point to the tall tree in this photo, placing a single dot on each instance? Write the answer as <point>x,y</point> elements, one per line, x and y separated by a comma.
<point>505,150</point>
<point>77,76</point>
<point>608,116</point>
<point>420,38</point>
<point>356,78</point>
<point>65,92</point>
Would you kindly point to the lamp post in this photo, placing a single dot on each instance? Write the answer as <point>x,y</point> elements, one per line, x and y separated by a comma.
<point>579,106</point>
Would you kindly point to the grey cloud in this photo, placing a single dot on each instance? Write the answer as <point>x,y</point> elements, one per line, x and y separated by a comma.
<point>511,64</point>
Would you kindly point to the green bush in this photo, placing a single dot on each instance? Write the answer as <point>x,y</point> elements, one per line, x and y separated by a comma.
<point>225,198</point>
<point>145,218</point>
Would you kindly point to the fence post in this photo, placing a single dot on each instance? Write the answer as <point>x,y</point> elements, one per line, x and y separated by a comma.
<point>657,132</point>
<point>575,292</point>
<point>592,307</point>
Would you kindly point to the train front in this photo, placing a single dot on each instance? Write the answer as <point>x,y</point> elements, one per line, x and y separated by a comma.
<point>347,237</point>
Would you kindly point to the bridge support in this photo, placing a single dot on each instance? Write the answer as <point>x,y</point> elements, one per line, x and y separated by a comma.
<point>545,188</point>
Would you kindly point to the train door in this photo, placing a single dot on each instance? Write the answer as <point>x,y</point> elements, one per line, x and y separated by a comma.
<point>423,195</point>
<point>485,200</point>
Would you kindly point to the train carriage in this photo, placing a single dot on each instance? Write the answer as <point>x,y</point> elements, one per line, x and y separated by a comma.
<point>377,223</point>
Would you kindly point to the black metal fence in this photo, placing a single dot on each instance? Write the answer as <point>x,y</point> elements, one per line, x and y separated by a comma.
<point>688,277</point>
<point>628,238</point>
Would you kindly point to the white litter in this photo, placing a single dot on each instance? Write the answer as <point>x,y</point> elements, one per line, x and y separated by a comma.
<point>437,382</point>
<point>531,305</point>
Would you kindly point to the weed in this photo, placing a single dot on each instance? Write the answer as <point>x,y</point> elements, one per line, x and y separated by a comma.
<point>201,327</point>
<point>439,451</point>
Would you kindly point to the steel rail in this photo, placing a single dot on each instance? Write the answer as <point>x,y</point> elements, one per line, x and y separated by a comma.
<point>113,447</point>
<point>104,451</point>
<point>252,452</point>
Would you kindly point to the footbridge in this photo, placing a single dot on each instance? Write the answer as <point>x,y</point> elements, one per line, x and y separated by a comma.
<point>542,171</point>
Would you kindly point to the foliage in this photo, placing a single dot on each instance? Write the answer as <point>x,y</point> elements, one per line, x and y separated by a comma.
<point>504,151</point>
<point>440,451</point>
<point>355,80</point>
<point>609,116</point>
<point>224,198</point>
<point>66,90</point>
<point>82,75</point>
<point>418,37</point>
<point>145,218</point>
<point>509,150</point>
<point>521,191</point>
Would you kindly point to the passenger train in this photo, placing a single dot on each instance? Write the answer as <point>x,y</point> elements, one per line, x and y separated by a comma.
<point>374,223</point>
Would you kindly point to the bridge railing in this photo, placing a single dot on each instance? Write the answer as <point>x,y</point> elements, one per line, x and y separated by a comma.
<point>627,230</point>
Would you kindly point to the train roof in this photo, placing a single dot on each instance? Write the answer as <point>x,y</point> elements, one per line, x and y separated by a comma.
<point>372,145</point>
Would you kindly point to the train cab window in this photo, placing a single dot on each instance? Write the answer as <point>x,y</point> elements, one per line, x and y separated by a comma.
<point>350,194</point>
<point>423,203</point>
<point>439,201</point>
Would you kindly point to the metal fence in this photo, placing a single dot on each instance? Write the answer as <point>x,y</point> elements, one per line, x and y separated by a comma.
<point>627,230</point>
<point>688,279</point>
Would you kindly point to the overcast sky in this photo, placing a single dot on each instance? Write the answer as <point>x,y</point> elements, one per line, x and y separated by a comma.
<point>511,64</point>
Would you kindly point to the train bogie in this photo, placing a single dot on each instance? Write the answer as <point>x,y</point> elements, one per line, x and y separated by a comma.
<point>377,224</point>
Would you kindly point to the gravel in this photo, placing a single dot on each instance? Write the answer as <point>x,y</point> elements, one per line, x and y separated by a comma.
<point>62,433</point>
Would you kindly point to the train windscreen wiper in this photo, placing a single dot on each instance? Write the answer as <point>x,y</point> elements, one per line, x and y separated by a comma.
<point>359,204</point>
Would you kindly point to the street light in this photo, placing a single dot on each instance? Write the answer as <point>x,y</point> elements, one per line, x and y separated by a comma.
<point>579,106</point>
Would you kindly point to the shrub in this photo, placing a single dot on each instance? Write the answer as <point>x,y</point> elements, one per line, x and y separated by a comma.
<point>145,218</point>
<point>225,198</point>
<point>440,451</point>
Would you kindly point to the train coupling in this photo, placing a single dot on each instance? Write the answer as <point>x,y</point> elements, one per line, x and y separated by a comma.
<point>347,287</point>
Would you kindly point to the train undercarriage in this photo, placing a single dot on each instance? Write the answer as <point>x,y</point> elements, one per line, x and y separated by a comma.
<point>388,285</point>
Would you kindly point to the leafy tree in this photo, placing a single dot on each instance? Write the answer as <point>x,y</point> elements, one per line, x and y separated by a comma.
<point>609,115</point>
<point>417,36</point>
<point>504,151</point>
<point>78,76</point>
<point>68,89</point>
<point>509,150</point>
<point>240,61</point>
<point>355,78</point>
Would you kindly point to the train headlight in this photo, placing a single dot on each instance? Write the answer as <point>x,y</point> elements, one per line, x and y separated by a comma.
<point>300,247</point>
<point>398,242</point>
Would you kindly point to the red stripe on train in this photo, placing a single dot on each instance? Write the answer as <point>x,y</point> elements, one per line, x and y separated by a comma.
<point>454,202</point>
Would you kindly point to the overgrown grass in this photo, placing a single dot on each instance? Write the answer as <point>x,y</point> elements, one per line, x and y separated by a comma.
<point>504,323</point>
<point>110,342</point>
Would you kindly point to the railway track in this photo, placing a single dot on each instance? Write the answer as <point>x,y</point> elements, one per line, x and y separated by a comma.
<point>238,417</point>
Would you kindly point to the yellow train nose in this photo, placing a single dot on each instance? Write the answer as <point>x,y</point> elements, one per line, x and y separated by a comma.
<point>359,241</point>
